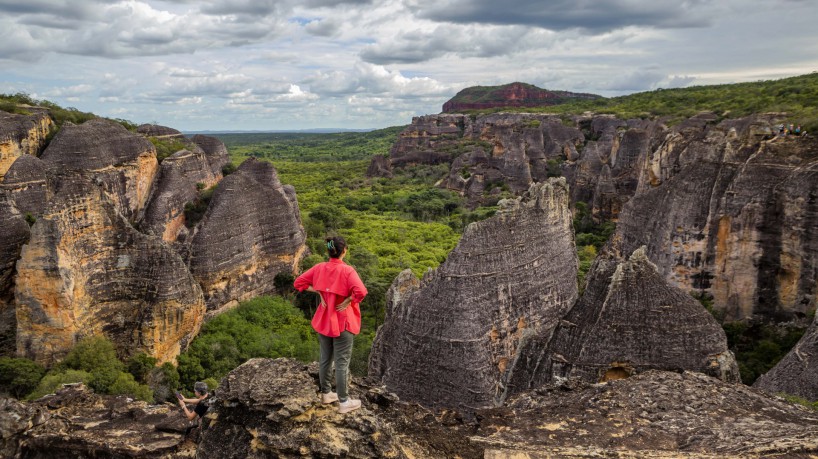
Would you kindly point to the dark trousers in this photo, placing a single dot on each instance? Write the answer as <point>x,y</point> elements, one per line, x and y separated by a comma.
<point>339,351</point>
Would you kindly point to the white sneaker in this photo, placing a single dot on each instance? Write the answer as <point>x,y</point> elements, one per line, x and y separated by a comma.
<point>329,397</point>
<point>349,405</point>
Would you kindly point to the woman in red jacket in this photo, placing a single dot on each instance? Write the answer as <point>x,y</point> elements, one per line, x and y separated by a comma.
<point>337,320</point>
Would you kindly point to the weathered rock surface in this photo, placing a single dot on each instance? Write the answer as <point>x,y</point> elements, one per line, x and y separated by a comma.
<point>15,419</point>
<point>86,271</point>
<point>251,232</point>
<point>21,135</point>
<point>14,232</point>
<point>510,95</point>
<point>630,320</point>
<point>271,408</point>
<point>215,151</point>
<point>726,212</point>
<point>155,130</point>
<point>797,372</point>
<point>654,414</point>
<point>181,177</point>
<point>28,185</point>
<point>456,339</point>
<point>124,162</point>
<point>76,423</point>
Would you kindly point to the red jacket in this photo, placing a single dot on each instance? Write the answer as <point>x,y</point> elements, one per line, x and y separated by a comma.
<point>336,281</point>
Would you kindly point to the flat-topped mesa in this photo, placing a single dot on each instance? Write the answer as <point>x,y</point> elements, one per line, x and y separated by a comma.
<point>724,211</point>
<point>86,271</point>
<point>797,372</point>
<point>510,95</point>
<point>250,232</point>
<point>124,162</point>
<point>455,339</point>
<point>630,320</point>
<point>14,232</point>
<point>182,176</point>
<point>22,135</point>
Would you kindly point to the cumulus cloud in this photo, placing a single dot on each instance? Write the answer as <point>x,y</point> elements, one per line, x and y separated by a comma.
<point>591,15</point>
<point>376,80</point>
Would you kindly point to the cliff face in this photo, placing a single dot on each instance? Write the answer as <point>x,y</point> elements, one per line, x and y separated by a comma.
<point>251,231</point>
<point>125,163</point>
<point>21,135</point>
<point>630,320</point>
<point>86,271</point>
<point>510,95</point>
<point>27,184</point>
<point>722,209</point>
<point>456,339</point>
<point>14,232</point>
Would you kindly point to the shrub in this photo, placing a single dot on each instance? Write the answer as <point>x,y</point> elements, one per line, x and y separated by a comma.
<point>53,381</point>
<point>140,365</point>
<point>18,377</point>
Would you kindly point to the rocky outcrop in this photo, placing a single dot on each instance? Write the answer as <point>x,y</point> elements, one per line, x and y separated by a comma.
<point>123,162</point>
<point>155,130</point>
<point>797,372</point>
<point>379,167</point>
<point>251,232</point>
<point>510,95</point>
<point>28,185</point>
<point>75,423</point>
<point>655,414</point>
<point>724,211</point>
<point>215,151</point>
<point>460,338</point>
<point>22,135</point>
<point>14,232</point>
<point>86,271</point>
<point>270,408</point>
<point>182,176</point>
<point>630,320</point>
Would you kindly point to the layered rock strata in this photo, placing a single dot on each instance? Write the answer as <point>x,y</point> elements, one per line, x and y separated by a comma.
<point>630,320</point>
<point>14,232</point>
<point>251,231</point>
<point>86,271</point>
<point>123,162</point>
<point>215,151</point>
<point>22,135</point>
<point>182,176</point>
<point>457,339</point>
<point>797,372</point>
<point>28,185</point>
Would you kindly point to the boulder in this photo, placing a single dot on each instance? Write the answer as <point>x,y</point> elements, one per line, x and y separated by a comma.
<point>250,232</point>
<point>123,162</point>
<point>86,271</point>
<point>155,130</point>
<point>797,373</point>
<point>22,135</point>
<point>14,233</point>
<point>460,338</point>
<point>215,151</point>
<point>630,320</point>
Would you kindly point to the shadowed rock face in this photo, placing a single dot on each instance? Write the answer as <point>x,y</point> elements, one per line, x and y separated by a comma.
<point>14,232</point>
<point>125,163</point>
<point>797,372</point>
<point>215,151</point>
<point>86,271</point>
<point>456,339</point>
<point>21,135</point>
<point>28,185</point>
<point>721,210</point>
<point>251,232</point>
<point>181,176</point>
<point>630,320</point>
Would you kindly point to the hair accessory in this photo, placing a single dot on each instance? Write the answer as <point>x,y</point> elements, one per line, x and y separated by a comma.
<point>330,245</point>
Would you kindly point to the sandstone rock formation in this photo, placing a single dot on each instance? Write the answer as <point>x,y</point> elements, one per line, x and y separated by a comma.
<point>86,271</point>
<point>27,184</point>
<point>77,423</point>
<point>456,339</point>
<point>270,408</point>
<point>181,177</point>
<point>797,372</point>
<point>155,130</point>
<point>14,232</point>
<point>215,151</point>
<point>511,95</point>
<point>726,212</point>
<point>655,414</point>
<point>21,135</point>
<point>251,232</point>
<point>125,163</point>
<point>630,320</point>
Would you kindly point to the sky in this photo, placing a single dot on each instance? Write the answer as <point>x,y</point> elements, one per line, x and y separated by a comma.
<point>358,64</point>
